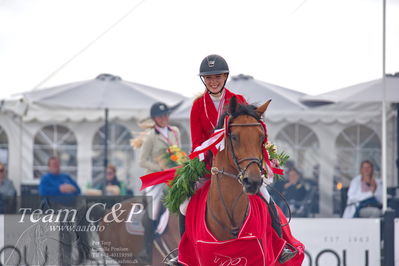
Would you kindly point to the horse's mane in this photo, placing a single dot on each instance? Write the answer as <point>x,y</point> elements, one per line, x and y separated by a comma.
<point>236,109</point>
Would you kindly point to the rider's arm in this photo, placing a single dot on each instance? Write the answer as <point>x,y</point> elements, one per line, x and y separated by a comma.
<point>197,135</point>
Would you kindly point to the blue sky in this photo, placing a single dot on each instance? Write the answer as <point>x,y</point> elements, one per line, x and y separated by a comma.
<point>311,46</point>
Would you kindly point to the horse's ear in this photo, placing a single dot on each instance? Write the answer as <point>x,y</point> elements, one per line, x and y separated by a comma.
<point>233,106</point>
<point>261,109</point>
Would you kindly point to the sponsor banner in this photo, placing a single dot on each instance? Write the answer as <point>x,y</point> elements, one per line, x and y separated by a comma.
<point>396,243</point>
<point>339,241</point>
<point>73,230</point>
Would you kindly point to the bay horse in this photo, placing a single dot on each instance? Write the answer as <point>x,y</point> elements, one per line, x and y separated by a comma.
<point>227,223</point>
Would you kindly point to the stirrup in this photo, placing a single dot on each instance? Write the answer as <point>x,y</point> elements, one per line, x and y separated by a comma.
<point>287,253</point>
<point>171,258</point>
<point>173,261</point>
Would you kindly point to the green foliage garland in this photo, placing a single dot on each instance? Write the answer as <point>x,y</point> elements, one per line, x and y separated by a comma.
<point>182,186</point>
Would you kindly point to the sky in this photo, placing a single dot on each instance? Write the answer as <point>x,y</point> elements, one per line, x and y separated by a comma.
<point>312,46</point>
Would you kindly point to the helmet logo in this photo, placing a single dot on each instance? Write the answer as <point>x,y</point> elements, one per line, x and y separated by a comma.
<point>211,63</point>
<point>162,107</point>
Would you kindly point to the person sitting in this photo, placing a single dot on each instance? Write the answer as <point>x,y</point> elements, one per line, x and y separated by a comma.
<point>55,183</point>
<point>7,190</point>
<point>292,189</point>
<point>364,194</point>
<point>59,192</point>
<point>111,186</point>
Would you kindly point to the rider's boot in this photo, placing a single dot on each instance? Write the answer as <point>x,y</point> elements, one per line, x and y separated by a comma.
<point>288,251</point>
<point>149,229</point>
<point>182,224</point>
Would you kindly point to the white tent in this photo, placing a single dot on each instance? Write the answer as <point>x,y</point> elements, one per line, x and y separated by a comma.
<point>382,91</point>
<point>255,92</point>
<point>370,91</point>
<point>76,110</point>
<point>87,100</point>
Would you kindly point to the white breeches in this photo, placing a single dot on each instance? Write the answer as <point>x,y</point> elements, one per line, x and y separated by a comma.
<point>156,193</point>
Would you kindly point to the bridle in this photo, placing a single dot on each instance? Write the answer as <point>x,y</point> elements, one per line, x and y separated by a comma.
<point>239,176</point>
<point>252,160</point>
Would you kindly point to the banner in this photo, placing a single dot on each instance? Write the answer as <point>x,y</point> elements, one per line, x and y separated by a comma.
<point>74,231</point>
<point>338,241</point>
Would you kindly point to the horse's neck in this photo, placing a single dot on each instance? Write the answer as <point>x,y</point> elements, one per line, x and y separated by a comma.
<point>225,193</point>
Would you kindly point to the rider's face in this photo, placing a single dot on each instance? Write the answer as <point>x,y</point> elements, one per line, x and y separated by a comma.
<point>162,121</point>
<point>214,83</point>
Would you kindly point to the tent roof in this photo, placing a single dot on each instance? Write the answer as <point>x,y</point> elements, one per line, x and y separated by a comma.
<point>86,100</point>
<point>256,91</point>
<point>370,91</point>
<point>105,91</point>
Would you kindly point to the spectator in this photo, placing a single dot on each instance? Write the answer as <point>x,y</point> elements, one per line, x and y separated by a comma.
<point>292,189</point>
<point>59,191</point>
<point>7,189</point>
<point>364,194</point>
<point>55,183</point>
<point>111,186</point>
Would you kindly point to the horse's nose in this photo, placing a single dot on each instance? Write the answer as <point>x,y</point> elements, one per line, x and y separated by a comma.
<point>251,186</point>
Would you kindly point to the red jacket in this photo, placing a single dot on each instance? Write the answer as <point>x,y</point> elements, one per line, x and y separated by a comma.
<point>203,122</point>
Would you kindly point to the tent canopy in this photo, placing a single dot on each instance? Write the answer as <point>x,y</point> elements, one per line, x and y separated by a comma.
<point>370,91</point>
<point>86,100</point>
<point>256,92</point>
<point>105,91</point>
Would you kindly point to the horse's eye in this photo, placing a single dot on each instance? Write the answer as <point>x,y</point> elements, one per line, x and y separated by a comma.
<point>234,137</point>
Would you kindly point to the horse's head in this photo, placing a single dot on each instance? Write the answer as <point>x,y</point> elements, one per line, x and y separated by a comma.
<point>243,145</point>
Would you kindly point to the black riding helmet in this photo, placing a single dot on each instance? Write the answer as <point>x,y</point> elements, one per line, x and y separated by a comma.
<point>213,65</point>
<point>159,109</point>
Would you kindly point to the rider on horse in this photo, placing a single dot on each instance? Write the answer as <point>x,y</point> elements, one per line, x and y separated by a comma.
<point>154,147</point>
<point>205,114</point>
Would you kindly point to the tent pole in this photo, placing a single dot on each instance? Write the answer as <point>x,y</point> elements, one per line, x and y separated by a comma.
<point>384,122</point>
<point>397,143</point>
<point>106,143</point>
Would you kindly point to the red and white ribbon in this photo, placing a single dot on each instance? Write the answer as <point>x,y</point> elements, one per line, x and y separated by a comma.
<point>216,143</point>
